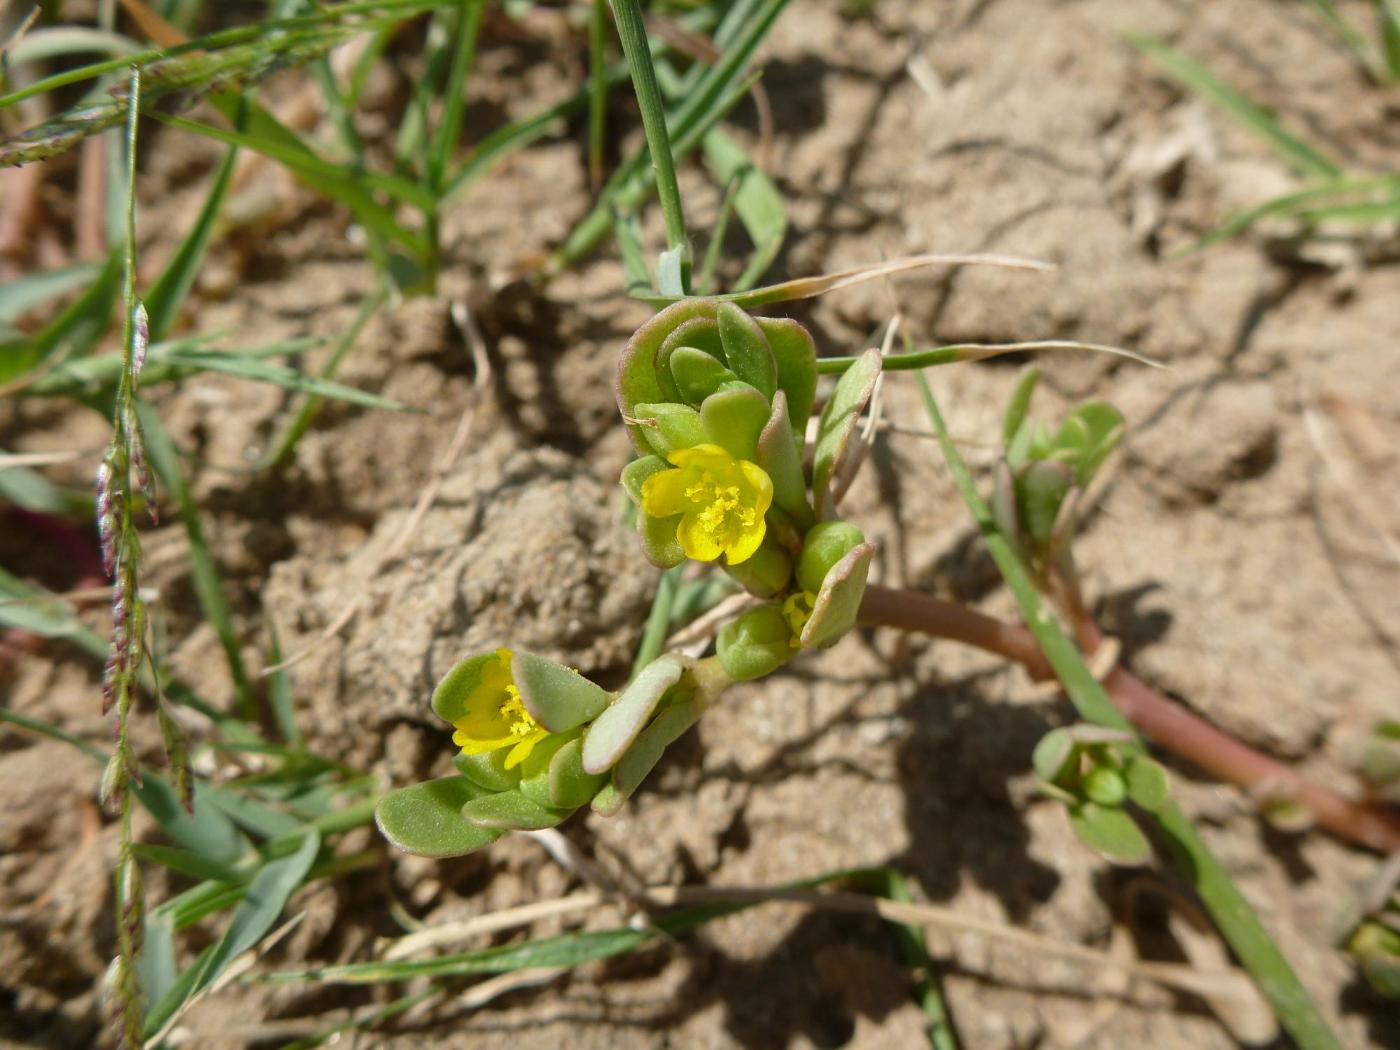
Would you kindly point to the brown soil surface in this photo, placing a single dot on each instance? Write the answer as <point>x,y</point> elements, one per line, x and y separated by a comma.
<point>1239,549</point>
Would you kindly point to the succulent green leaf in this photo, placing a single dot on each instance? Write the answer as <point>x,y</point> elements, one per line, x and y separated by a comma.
<point>1088,436</point>
<point>641,378</point>
<point>635,474</point>
<point>642,756</point>
<point>488,770</point>
<point>558,697</point>
<point>698,333</point>
<point>697,374</point>
<point>796,356</point>
<point>734,418</point>
<point>1111,832</point>
<point>659,542</point>
<point>668,426</point>
<point>511,811</point>
<point>450,696</point>
<point>534,771</point>
<point>839,419</point>
<point>1004,508</point>
<point>1017,408</point>
<point>426,819</point>
<point>570,785</point>
<point>608,801</point>
<point>781,460</point>
<point>838,602</point>
<point>755,644</point>
<point>746,349</point>
<point>613,731</point>
<point>1148,785</point>
<point>825,544</point>
<point>1040,490</point>
<point>1054,756</point>
<point>768,572</point>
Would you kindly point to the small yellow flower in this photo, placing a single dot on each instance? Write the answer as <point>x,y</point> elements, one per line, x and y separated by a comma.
<point>496,716</point>
<point>722,501</point>
<point>797,610</point>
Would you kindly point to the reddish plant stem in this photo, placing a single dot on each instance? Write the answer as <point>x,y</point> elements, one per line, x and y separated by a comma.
<point>1162,720</point>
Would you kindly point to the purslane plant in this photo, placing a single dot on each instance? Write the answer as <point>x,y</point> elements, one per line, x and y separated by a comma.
<point>717,403</point>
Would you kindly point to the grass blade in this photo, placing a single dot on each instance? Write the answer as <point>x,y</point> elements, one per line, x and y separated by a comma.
<point>757,200</point>
<point>264,900</point>
<point>165,297</point>
<point>1231,912</point>
<point>1241,108</point>
<point>23,294</point>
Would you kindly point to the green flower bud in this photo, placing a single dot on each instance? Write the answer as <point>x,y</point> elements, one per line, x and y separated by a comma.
<point>826,543</point>
<point>767,572</point>
<point>1105,786</point>
<point>755,644</point>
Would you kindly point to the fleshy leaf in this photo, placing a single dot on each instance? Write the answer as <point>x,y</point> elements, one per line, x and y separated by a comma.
<point>796,356</point>
<point>613,731</point>
<point>1092,431</point>
<point>1111,832</point>
<point>1040,490</point>
<point>570,785</point>
<point>1004,507</point>
<point>659,542</point>
<point>755,644</point>
<point>781,460</point>
<point>1148,785</point>
<point>699,333</point>
<point>608,800</point>
<point>635,474</point>
<point>839,419</point>
<point>1054,756</point>
<point>697,374</point>
<point>558,697</point>
<point>734,418</point>
<point>534,771</point>
<point>747,349</point>
<point>642,756</point>
<point>450,696</point>
<point>488,770</point>
<point>640,378</point>
<point>511,811</point>
<point>834,612</point>
<point>825,544</point>
<point>669,426</point>
<point>767,572</point>
<point>426,819</point>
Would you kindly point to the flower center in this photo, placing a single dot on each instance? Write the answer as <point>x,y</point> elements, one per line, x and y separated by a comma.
<point>512,710</point>
<point>723,515</point>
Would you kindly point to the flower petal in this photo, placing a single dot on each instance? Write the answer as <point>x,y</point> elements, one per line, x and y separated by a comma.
<point>742,547</point>
<point>663,494</point>
<point>474,745</point>
<point>761,484</point>
<point>696,540</point>
<point>521,751</point>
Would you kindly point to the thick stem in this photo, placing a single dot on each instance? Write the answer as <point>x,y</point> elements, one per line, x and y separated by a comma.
<point>1159,718</point>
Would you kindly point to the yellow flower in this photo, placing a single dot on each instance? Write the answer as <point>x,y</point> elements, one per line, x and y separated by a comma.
<point>797,610</point>
<point>722,501</point>
<point>496,716</point>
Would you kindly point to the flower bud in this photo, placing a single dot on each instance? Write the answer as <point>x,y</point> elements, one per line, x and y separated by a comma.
<point>826,543</point>
<point>755,644</point>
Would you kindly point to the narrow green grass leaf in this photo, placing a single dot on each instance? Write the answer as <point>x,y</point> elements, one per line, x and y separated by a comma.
<point>757,200</point>
<point>1248,113</point>
<point>1227,906</point>
<point>73,333</point>
<point>164,298</point>
<point>252,368</point>
<point>24,293</point>
<point>187,862</point>
<point>262,903</point>
<point>156,964</point>
<point>449,128</point>
<point>1294,203</point>
<point>279,693</point>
